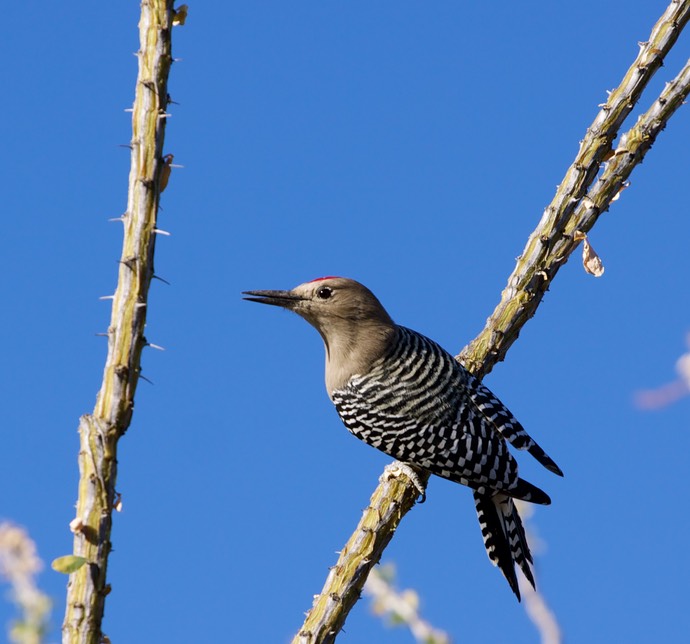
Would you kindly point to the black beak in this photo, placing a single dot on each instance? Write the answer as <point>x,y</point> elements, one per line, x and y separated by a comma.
<point>286,299</point>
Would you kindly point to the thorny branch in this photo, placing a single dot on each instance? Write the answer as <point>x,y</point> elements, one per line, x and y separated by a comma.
<point>550,245</point>
<point>548,249</point>
<point>100,431</point>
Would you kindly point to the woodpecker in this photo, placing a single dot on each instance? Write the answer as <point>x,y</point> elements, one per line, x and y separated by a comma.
<point>400,392</point>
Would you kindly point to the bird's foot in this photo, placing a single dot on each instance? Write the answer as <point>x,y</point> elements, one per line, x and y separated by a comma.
<point>396,468</point>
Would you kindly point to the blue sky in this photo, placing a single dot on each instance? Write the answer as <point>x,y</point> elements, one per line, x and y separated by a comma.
<point>412,146</point>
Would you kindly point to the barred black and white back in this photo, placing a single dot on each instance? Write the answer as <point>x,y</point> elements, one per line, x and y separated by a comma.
<point>419,405</point>
<point>405,395</point>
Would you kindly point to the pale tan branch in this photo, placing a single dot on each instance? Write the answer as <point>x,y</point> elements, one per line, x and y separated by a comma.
<point>400,607</point>
<point>550,245</point>
<point>547,249</point>
<point>391,500</point>
<point>541,614</point>
<point>100,431</point>
<point>19,566</point>
<point>631,150</point>
<point>536,606</point>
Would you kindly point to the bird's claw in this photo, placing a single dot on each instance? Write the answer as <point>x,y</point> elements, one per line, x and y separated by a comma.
<point>396,468</point>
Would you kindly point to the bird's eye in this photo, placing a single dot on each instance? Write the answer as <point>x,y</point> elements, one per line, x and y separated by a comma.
<point>324,293</point>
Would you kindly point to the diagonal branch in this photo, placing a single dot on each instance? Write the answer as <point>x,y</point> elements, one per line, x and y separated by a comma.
<point>548,248</point>
<point>100,431</point>
<point>551,243</point>
<point>631,150</point>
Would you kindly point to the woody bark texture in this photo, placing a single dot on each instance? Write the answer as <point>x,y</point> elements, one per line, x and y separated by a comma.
<point>100,431</point>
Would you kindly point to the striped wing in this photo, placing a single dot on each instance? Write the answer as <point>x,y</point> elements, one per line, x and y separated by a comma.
<point>415,405</point>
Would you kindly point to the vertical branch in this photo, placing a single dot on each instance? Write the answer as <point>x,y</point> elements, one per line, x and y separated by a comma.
<point>100,431</point>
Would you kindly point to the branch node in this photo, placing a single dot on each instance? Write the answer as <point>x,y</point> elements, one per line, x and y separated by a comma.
<point>129,262</point>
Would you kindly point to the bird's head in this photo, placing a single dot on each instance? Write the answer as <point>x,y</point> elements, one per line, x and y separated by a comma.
<point>352,322</point>
<point>333,305</point>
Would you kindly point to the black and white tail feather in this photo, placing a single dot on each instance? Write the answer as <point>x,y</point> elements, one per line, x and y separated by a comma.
<point>502,530</point>
<point>504,537</point>
<point>434,414</point>
<point>506,424</point>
